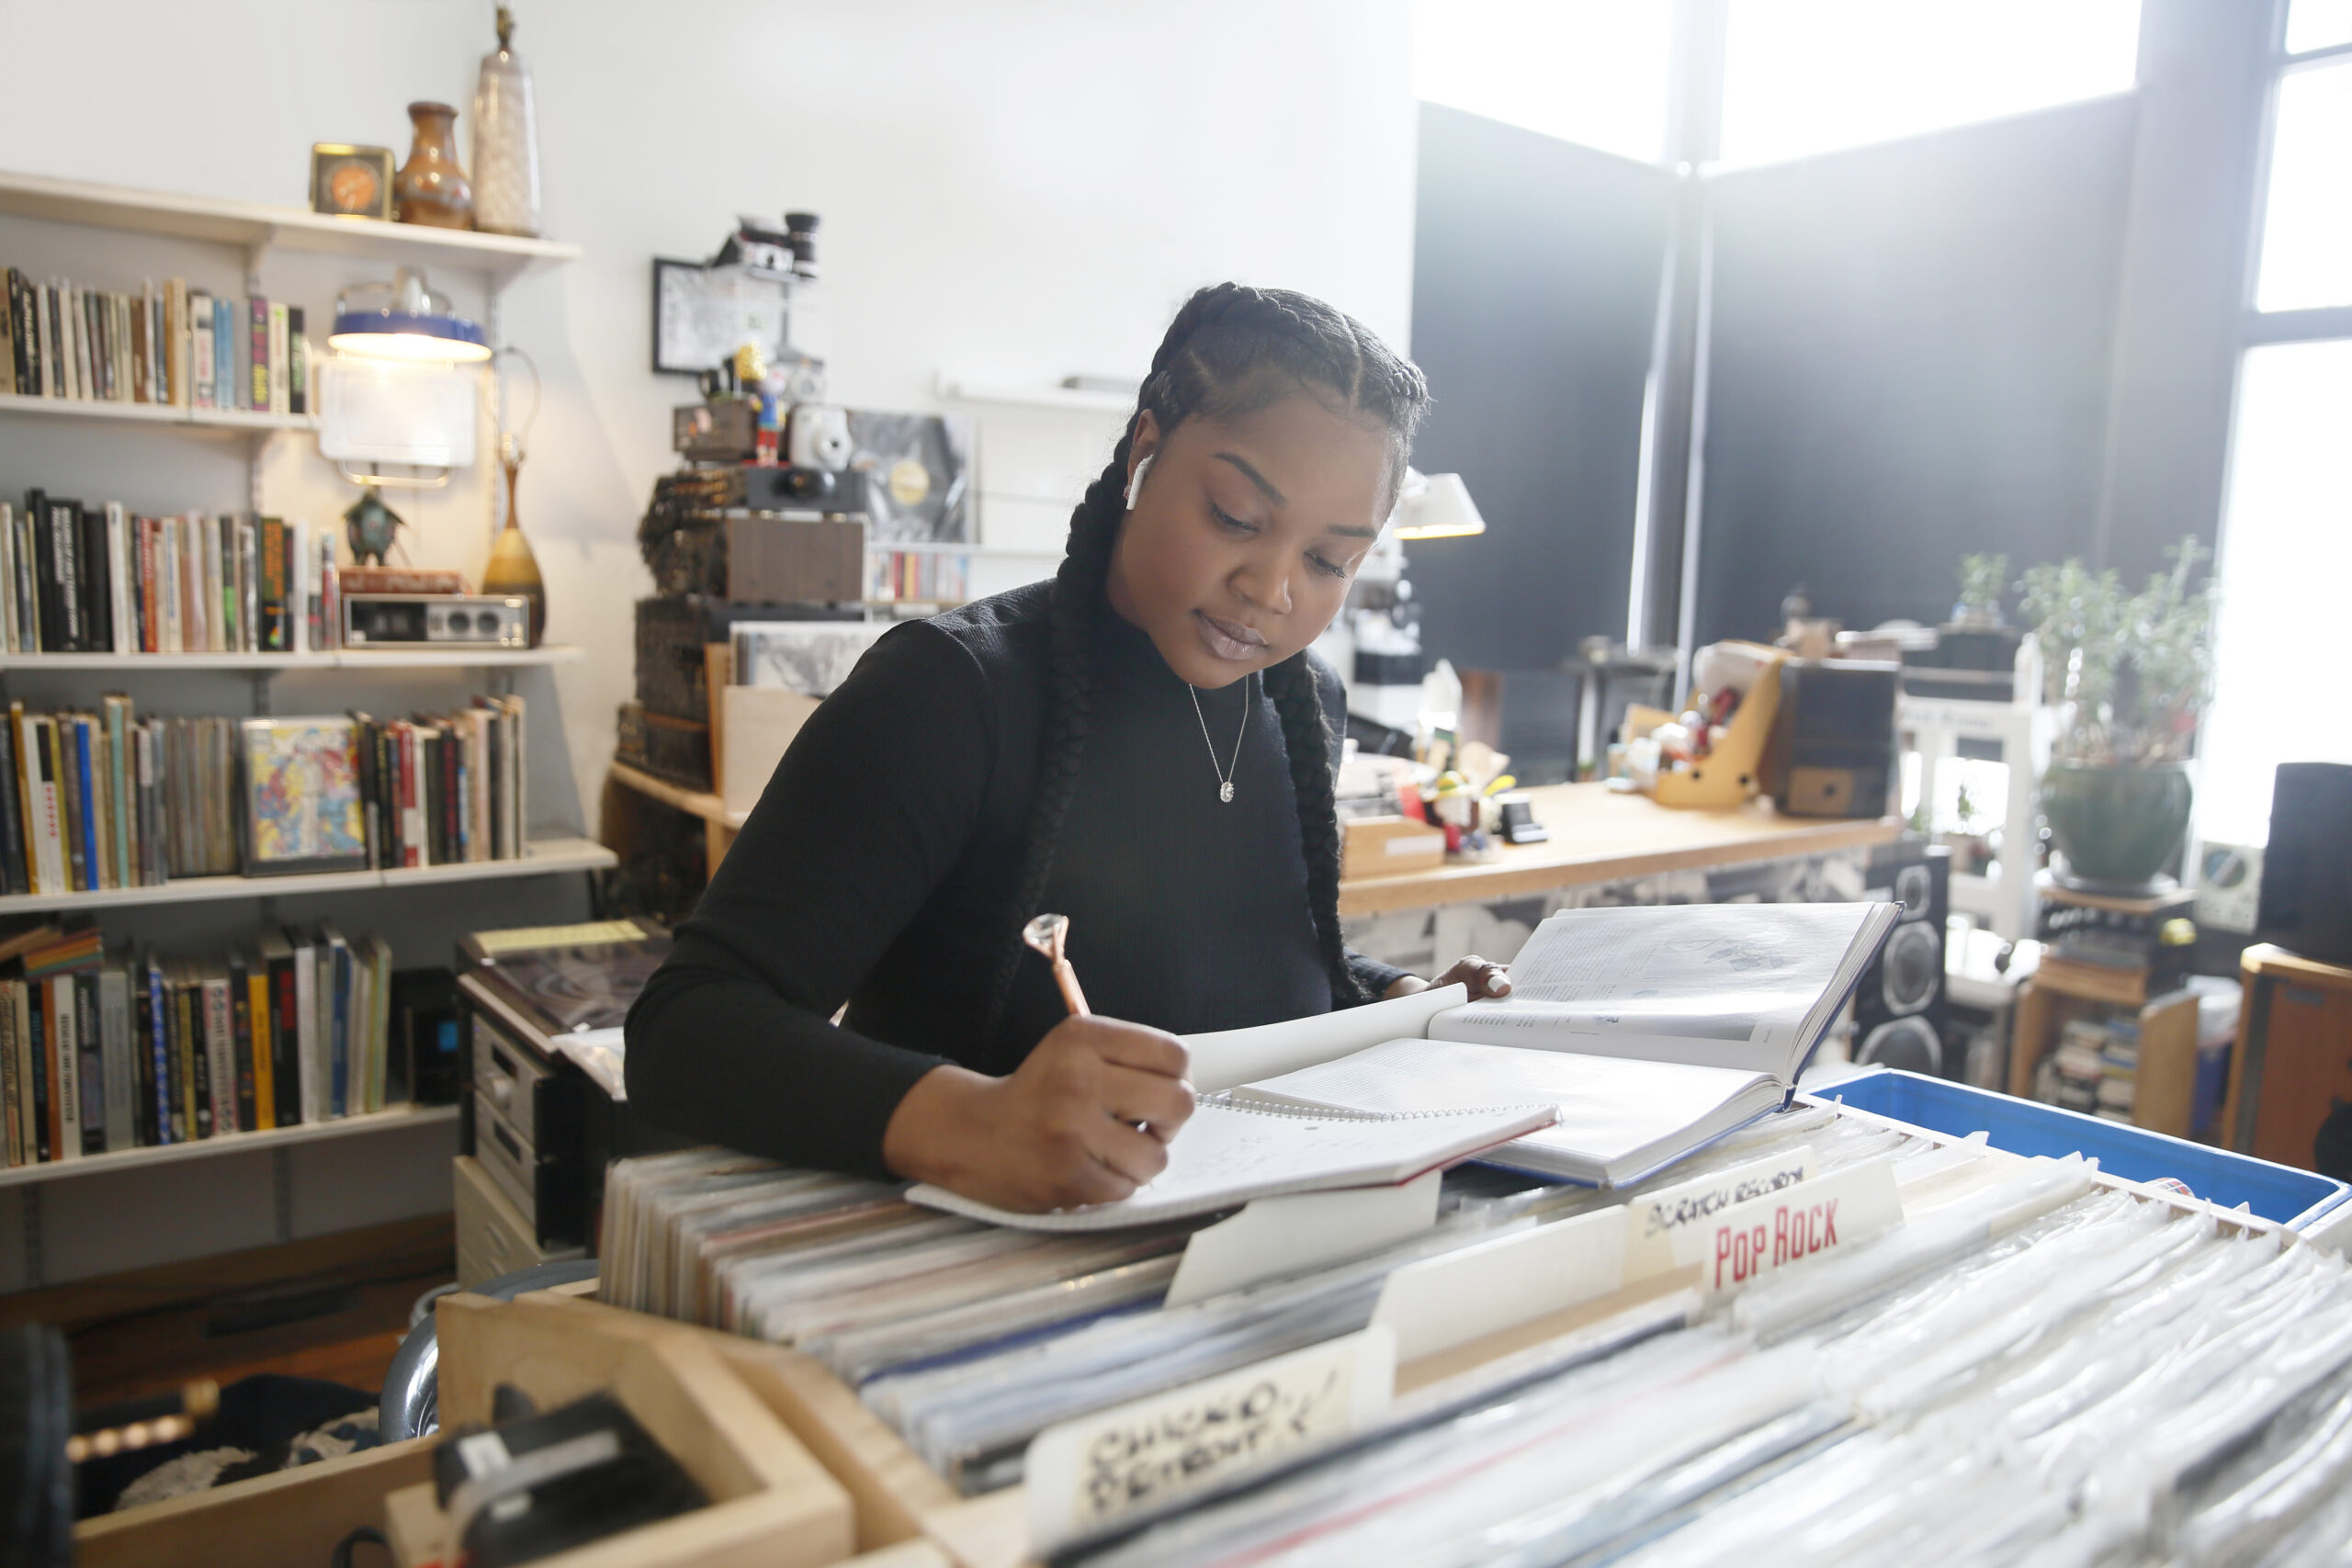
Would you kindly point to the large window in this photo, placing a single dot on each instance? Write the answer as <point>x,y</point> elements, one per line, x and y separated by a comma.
<point>1588,71</point>
<point>2286,552</point>
<point>1808,76</point>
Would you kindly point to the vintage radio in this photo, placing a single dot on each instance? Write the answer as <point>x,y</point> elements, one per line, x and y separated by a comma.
<point>375,620</point>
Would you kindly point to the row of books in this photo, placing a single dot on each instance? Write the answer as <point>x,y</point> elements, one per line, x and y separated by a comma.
<point>77,579</point>
<point>2096,1068</point>
<point>171,345</point>
<point>101,1052</point>
<point>103,800</point>
<point>917,576</point>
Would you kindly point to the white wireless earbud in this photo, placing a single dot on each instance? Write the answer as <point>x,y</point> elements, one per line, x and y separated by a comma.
<point>1136,483</point>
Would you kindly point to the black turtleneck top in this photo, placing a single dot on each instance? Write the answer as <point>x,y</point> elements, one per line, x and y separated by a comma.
<point>878,870</point>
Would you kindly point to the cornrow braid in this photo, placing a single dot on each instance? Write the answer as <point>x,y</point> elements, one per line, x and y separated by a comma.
<point>1231,349</point>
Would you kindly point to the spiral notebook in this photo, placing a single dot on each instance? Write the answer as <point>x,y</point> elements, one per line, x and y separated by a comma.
<point>1232,1152</point>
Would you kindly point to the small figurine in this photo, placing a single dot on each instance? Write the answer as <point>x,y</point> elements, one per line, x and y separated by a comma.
<point>372,526</point>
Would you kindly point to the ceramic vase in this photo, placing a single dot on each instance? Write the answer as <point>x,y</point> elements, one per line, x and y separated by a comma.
<point>505,140</point>
<point>431,189</point>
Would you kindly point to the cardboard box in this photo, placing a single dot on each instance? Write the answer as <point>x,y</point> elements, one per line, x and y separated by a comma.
<point>1389,846</point>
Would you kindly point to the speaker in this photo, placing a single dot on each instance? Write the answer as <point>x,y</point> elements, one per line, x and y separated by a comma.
<point>2306,902</point>
<point>1899,1013</point>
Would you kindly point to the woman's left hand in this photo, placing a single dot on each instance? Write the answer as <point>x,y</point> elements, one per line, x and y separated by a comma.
<point>1487,981</point>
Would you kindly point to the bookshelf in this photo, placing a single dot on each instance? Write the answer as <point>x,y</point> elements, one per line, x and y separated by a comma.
<point>541,857</point>
<point>258,227</point>
<point>227,422</point>
<point>390,1120</point>
<point>424,656</point>
<point>358,1171</point>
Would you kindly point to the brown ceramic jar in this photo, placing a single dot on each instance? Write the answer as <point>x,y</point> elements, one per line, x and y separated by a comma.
<point>431,189</point>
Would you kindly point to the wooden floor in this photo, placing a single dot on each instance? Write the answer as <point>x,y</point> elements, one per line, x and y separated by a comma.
<point>333,1307</point>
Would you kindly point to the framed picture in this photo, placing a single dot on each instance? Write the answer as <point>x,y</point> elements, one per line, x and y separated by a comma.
<point>303,810</point>
<point>351,181</point>
<point>703,315</point>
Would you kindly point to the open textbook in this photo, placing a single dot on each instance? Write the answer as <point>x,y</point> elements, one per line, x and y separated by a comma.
<point>1654,1030</point>
<point>1639,1034</point>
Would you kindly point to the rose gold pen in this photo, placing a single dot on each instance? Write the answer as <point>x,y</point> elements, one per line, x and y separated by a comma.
<point>1048,934</point>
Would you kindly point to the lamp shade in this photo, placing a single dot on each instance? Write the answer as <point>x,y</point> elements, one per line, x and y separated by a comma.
<point>1436,506</point>
<point>403,320</point>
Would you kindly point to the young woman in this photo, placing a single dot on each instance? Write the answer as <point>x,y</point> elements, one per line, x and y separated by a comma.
<point>1143,745</point>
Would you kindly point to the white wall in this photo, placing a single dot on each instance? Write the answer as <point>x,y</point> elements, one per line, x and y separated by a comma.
<point>1021,188</point>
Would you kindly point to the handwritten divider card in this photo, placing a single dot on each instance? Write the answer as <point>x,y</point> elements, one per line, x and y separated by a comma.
<point>1654,1221</point>
<point>1767,1234</point>
<point>1456,1297</point>
<point>1089,1473</point>
<point>1301,1231</point>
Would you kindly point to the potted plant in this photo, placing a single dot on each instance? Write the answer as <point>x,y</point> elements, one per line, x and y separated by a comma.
<point>2129,674</point>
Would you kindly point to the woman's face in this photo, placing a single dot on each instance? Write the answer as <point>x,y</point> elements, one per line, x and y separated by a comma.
<point>1245,533</point>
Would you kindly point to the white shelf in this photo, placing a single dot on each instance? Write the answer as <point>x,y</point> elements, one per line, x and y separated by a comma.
<point>546,857</point>
<point>1062,399</point>
<point>225,422</point>
<point>388,1120</point>
<point>424,656</point>
<point>255,225</point>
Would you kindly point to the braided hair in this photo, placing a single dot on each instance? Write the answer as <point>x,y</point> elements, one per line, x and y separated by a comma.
<point>1231,350</point>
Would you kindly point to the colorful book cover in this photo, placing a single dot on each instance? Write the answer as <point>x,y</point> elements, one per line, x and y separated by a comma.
<point>224,354</point>
<point>303,806</point>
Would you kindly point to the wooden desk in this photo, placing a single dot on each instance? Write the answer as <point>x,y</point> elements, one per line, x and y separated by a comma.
<point>1600,835</point>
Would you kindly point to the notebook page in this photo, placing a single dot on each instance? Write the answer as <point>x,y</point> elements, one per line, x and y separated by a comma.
<point>1233,1056</point>
<point>1609,1108</point>
<point>1227,1155</point>
<point>1722,984</point>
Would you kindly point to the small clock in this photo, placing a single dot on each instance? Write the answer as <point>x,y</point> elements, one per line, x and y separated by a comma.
<point>351,181</point>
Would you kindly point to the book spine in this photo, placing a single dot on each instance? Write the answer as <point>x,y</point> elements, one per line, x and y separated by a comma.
<point>147,1098</point>
<point>14,870</point>
<point>98,589</point>
<point>273,585</point>
<point>86,802</point>
<point>300,568</point>
<point>201,386</point>
<point>257,1013</point>
<point>121,1081</point>
<point>187,1042</point>
<point>167,582</point>
<point>221,1065</point>
<point>49,824</point>
<point>216,596</point>
<point>280,385</point>
<point>91,1045</point>
<point>65,1065</point>
<point>11,1086</point>
<point>69,798</point>
<point>122,633</point>
<point>257,320</point>
<point>45,1071</point>
<point>297,363</point>
<point>240,1044</point>
<point>285,1038</point>
<point>339,1037</point>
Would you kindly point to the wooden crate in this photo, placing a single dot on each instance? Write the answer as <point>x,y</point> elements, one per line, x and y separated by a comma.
<point>291,1517</point>
<point>772,1503</point>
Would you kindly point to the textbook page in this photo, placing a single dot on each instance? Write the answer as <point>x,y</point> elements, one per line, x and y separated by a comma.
<point>1228,1154</point>
<point>1619,1119</point>
<point>1746,986</point>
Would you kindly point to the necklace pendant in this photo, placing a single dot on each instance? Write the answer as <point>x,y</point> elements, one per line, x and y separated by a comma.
<point>1224,792</point>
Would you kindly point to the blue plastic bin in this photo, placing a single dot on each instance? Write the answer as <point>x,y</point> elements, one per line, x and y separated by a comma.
<point>2275,1192</point>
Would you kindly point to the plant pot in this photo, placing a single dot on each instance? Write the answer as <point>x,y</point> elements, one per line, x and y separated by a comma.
<point>2116,826</point>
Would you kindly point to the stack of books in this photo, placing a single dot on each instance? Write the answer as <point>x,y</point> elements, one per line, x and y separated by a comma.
<point>172,345</point>
<point>96,801</point>
<point>101,1052</point>
<point>2096,1068</point>
<point>77,579</point>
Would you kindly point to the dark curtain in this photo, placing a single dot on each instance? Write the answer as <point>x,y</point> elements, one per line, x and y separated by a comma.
<point>1912,347</point>
<point>1535,276</point>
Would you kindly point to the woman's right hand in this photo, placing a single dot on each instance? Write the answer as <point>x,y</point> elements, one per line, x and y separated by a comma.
<point>1086,1119</point>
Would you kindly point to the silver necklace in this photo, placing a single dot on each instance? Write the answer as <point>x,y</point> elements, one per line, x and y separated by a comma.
<point>1225,774</point>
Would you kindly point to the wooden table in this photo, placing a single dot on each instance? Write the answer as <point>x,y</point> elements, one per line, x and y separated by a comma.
<point>1600,835</point>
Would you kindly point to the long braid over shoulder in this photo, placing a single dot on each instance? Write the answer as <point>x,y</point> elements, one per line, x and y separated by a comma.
<point>1231,350</point>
